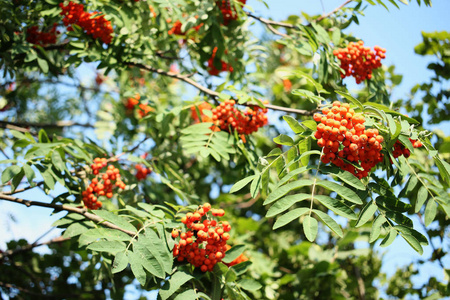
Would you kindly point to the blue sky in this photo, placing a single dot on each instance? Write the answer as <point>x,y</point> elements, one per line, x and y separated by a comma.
<point>396,30</point>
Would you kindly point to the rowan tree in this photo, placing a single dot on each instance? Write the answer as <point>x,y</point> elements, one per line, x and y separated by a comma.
<point>188,157</point>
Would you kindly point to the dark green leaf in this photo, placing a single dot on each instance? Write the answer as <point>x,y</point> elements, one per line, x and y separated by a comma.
<point>233,253</point>
<point>430,212</point>
<point>367,212</point>
<point>10,172</point>
<point>175,282</point>
<point>376,228</point>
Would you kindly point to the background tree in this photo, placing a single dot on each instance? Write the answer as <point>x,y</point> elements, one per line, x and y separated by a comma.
<point>206,162</point>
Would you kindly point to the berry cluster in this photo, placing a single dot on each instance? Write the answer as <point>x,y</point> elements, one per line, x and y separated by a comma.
<point>345,139</point>
<point>34,36</point>
<point>176,28</point>
<point>400,150</point>
<point>212,70</point>
<point>203,118</point>
<point>142,172</point>
<point>229,118</point>
<point>204,242</point>
<point>237,260</point>
<point>142,109</point>
<point>359,61</point>
<point>93,23</point>
<point>102,184</point>
<point>228,12</point>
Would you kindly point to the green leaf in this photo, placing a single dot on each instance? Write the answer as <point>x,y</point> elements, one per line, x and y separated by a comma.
<point>148,260</point>
<point>95,234</point>
<point>284,204</point>
<point>10,172</point>
<point>43,64</point>
<point>175,282</point>
<point>294,124</point>
<point>242,267</point>
<point>120,262</point>
<point>249,284</point>
<point>413,242</point>
<point>115,219</point>
<point>58,161</point>
<point>158,248</point>
<point>336,206</point>
<point>77,229</point>
<point>283,139</point>
<point>376,228</point>
<point>281,191</point>
<point>430,212</point>
<point>29,173</point>
<point>389,238</point>
<point>304,147</point>
<point>422,196</point>
<point>346,177</point>
<point>137,268</point>
<point>330,222</point>
<point>412,232</point>
<point>350,98</point>
<point>112,247</point>
<point>310,228</point>
<point>342,191</point>
<point>190,295</point>
<point>255,186</point>
<point>290,216</point>
<point>241,183</point>
<point>233,253</point>
<point>393,112</point>
<point>367,212</point>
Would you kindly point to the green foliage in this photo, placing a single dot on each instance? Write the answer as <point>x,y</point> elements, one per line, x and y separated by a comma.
<point>301,229</point>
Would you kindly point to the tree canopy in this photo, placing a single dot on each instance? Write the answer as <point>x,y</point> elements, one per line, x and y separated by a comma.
<point>187,156</point>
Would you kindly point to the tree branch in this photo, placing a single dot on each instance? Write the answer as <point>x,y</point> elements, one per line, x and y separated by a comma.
<point>270,22</point>
<point>68,208</point>
<point>9,253</point>
<point>210,92</point>
<point>22,126</point>
<point>334,11</point>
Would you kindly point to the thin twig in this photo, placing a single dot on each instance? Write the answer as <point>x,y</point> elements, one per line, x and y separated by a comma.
<point>334,11</point>
<point>130,150</point>
<point>64,207</point>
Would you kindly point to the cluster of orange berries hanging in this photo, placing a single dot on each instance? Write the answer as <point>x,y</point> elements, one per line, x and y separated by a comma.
<point>93,23</point>
<point>142,108</point>
<point>359,61</point>
<point>176,28</point>
<point>103,183</point>
<point>400,149</point>
<point>226,116</point>
<point>41,38</point>
<point>142,172</point>
<point>203,244</point>
<point>344,139</point>
<point>228,10</point>
<point>212,70</point>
